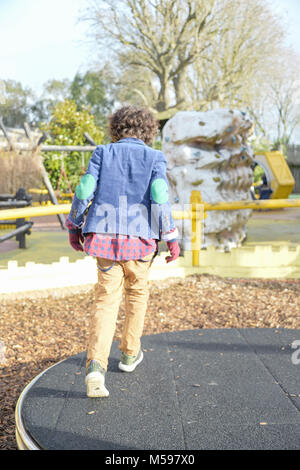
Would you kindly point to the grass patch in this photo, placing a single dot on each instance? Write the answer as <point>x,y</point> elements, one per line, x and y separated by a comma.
<point>42,247</point>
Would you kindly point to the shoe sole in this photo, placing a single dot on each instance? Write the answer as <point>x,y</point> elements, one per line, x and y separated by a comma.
<point>95,385</point>
<point>131,368</point>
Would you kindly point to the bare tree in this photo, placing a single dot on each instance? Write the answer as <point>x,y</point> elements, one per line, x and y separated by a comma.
<point>163,37</point>
<point>274,103</point>
<point>188,54</point>
<point>285,95</point>
<point>233,74</point>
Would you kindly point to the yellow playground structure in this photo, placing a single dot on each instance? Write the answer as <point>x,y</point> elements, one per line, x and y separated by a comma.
<point>278,175</point>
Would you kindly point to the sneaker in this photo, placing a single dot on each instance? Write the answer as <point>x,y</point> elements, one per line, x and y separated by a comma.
<point>95,380</point>
<point>129,363</point>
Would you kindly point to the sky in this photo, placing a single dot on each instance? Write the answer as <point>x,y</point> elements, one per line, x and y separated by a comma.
<point>43,39</point>
<point>289,10</point>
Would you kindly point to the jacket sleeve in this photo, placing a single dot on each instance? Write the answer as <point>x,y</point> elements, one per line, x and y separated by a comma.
<point>71,227</point>
<point>86,189</point>
<point>159,194</point>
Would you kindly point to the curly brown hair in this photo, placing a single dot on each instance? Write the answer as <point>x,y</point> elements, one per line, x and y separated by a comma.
<point>132,121</point>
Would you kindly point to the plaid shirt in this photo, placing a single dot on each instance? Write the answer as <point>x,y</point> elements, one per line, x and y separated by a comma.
<point>118,247</point>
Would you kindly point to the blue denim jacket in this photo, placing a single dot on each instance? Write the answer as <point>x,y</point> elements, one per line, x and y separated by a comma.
<point>127,184</point>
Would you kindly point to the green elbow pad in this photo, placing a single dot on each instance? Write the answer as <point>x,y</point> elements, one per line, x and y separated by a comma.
<point>86,187</point>
<point>160,191</point>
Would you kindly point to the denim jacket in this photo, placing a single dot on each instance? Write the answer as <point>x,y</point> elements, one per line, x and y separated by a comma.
<point>124,191</point>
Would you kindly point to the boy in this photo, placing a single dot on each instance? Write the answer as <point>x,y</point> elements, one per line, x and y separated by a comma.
<point>129,213</point>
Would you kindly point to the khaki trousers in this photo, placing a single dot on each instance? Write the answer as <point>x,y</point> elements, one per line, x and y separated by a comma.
<point>113,276</point>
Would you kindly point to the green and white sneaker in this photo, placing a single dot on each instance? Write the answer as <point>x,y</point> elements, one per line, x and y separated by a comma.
<point>129,363</point>
<point>95,380</point>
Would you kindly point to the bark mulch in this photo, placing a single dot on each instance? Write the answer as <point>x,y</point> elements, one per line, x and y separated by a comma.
<point>42,328</point>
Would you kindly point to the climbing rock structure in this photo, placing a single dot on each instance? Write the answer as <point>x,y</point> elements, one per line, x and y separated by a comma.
<point>209,152</point>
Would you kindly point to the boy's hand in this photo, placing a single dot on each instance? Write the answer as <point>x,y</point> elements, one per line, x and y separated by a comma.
<point>76,239</point>
<point>174,251</point>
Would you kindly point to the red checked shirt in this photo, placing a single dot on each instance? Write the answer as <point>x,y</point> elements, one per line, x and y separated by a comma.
<point>120,247</point>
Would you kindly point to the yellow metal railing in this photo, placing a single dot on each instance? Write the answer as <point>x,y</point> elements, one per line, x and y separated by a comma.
<point>196,213</point>
<point>11,214</point>
<point>255,205</point>
<point>200,208</point>
<point>45,192</point>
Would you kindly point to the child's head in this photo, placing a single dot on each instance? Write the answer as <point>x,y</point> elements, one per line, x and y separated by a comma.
<point>132,121</point>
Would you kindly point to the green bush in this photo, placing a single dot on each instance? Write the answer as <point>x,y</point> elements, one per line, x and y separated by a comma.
<point>258,174</point>
<point>67,127</point>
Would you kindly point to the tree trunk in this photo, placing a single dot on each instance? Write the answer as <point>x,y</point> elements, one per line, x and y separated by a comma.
<point>163,101</point>
<point>179,87</point>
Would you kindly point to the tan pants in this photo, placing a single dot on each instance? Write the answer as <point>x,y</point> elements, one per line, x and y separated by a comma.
<point>112,277</point>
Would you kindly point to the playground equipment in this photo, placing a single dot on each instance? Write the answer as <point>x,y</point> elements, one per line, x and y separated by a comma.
<point>21,225</point>
<point>195,213</point>
<point>214,145</point>
<point>14,140</point>
<point>278,179</point>
<point>43,196</point>
<point>52,412</point>
<point>208,152</point>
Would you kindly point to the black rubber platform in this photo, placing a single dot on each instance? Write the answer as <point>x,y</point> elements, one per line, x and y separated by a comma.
<point>199,389</point>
